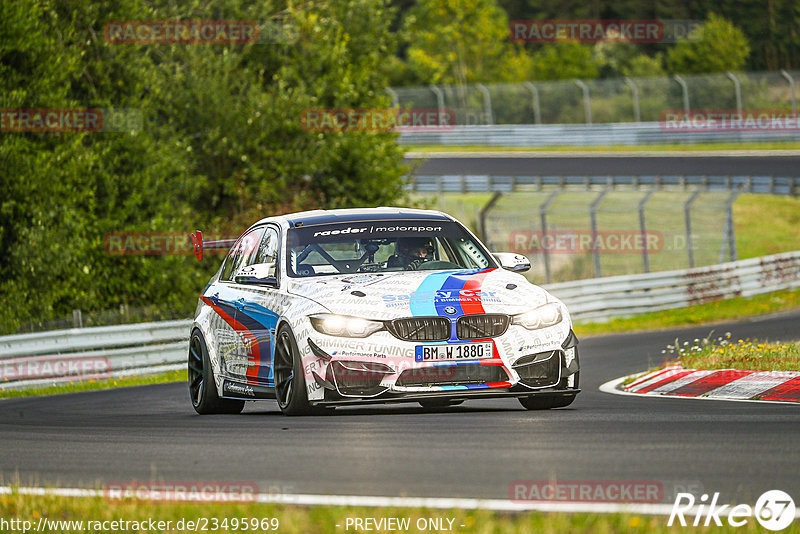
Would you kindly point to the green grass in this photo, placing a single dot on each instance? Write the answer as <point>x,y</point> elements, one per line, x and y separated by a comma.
<point>708,313</point>
<point>723,352</point>
<point>71,387</point>
<point>611,148</point>
<point>323,519</point>
<point>766,225</point>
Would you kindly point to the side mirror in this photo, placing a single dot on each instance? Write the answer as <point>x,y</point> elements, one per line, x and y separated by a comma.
<point>512,262</point>
<point>263,274</point>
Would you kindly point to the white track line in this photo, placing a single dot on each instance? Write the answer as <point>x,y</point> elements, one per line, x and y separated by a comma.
<point>441,503</point>
<point>599,154</point>
<point>501,505</point>
<point>611,387</point>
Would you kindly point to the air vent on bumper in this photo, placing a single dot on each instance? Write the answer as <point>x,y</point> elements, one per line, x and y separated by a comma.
<point>357,379</point>
<point>452,375</point>
<point>539,370</point>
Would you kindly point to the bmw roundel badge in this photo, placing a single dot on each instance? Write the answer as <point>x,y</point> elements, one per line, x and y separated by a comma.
<point>450,310</point>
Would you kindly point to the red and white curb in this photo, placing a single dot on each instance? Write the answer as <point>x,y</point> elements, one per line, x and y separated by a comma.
<point>723,384</point>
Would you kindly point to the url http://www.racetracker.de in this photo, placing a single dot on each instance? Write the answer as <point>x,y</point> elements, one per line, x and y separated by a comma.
<point>88,526</point>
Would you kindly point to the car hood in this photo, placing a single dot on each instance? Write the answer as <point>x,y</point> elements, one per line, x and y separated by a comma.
<point>413,293</point>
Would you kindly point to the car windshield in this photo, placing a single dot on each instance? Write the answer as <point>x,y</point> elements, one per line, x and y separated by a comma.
<point>383,246</point>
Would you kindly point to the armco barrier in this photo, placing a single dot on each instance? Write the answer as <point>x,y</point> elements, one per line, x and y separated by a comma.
<point>623,133</point>
<point>465,183</point>
<point>617,296</point>
<point>151,347</point>
<point>35,359</point>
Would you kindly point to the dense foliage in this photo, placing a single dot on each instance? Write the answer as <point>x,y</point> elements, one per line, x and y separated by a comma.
<point>220,141</point>
<point>220,144</point>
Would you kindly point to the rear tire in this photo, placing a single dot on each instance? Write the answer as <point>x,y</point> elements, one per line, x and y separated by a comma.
<point>290,384</point>
<point>202,388</point>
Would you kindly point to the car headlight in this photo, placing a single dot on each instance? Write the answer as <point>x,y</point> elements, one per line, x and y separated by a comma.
<point>541,317</point>
<point>344,326</point>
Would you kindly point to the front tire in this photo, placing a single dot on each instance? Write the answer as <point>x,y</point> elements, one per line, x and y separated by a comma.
<point>202,388</point>
<point>290,384</point>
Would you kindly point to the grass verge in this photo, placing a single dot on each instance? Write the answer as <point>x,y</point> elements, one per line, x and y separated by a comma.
<point>723,353</point>
<point>610,148</point>
<point>322,519</point>
<point>71,387</point>
<point>708,313</point>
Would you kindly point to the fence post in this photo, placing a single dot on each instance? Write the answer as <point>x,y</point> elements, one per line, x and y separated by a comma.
<point>687,215</point>
<point>543,219</point>
<point>393,94</point>
<point>487,103</point>
<point>685,89</point>
<point>738,89</point>
<point>643,230</point>
<point>482,218</point>
<point>587,104</point>
<point>77,319</point>
<point>791,85</point>
<point>729,233</point>
<point>637,113</point>
<point>537,113</point>
<point>439,99</point>
<point>593,222</point>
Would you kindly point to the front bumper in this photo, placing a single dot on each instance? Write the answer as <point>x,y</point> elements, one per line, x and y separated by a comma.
<point>338,379</point>
<point>393,397</point>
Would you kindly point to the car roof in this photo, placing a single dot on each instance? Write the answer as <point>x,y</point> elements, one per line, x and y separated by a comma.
<point>317,217</point>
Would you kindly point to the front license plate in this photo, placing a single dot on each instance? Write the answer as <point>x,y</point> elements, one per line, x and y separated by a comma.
<point>453,351</point>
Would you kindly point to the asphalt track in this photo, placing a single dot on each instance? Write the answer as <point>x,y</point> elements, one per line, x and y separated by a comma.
<point>586,164</point>
<point>475,450</point>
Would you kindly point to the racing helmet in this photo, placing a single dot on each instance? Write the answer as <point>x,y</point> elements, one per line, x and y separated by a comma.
<point>413,248</point>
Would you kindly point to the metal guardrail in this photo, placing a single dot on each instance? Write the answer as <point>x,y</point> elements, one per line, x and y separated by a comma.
<point>624,133</point>
<point>773,185</point>
<point>44,358</point>
<point>601,299</point>
<point>152,347</point>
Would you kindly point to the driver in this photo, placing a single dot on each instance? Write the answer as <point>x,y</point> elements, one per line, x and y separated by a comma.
<point>410,252</point>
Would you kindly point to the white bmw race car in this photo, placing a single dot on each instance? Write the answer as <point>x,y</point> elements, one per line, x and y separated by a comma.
<point>328,308</point>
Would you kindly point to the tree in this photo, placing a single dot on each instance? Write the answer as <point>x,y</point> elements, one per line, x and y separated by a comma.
<point>462,41</point>
<point>716,46</point>
<point>221,142</point>
<point>564,61</point>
